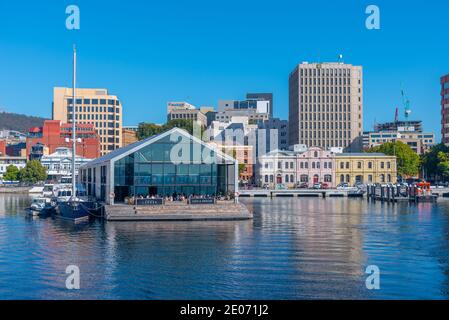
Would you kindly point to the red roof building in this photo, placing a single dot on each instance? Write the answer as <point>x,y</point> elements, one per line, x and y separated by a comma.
<point>55,134</point>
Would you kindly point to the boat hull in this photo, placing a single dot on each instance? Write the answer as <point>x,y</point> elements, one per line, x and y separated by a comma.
<point>75,211</point>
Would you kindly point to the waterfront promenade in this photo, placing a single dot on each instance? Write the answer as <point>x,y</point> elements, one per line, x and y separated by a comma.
<point>180,211</point>
<point>271,193</point>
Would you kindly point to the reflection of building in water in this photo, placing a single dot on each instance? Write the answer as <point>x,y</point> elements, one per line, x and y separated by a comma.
<point>12,203</point>
<point>327,242</point>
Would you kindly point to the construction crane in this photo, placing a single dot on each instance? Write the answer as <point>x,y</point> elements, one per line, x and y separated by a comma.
<point>406,103</point>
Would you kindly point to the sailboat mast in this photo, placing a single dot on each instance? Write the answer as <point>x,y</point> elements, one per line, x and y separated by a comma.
<point>74,125</point>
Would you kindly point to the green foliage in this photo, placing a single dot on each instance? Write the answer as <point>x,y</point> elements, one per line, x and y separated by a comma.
<point>11,174</point>
<point>146,130</point>
<point>241,168</point>
<point>408,161</point>
<point>435,162</point>
<point>33,172</point>
<point>443,165</point>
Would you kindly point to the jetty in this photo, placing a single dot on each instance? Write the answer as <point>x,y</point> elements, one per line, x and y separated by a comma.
<point>178,211</point>
<point>416,193</point>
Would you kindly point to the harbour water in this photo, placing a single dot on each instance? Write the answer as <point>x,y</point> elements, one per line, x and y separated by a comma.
<point>306,248</point>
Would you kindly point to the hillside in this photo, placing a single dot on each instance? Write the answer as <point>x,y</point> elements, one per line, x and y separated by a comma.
<point>19,122</point>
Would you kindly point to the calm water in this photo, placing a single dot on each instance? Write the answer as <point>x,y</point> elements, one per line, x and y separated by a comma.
<point>294,249</point>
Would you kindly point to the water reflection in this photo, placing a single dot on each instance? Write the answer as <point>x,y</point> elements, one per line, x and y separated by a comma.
<point>293,249</point>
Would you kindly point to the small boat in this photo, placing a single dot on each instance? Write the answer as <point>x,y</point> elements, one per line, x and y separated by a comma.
<point>42,206</point>
<point>79,208</point>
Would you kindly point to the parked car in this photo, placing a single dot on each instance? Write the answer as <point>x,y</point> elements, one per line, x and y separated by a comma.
<point>343,185</point>
<point>317,186</point>
<point>324,185</point>
<point>281,186</point>
<point>266,186</point>
<point>302,185</point>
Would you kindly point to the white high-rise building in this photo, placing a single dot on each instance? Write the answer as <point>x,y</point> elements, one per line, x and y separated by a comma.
<point>326,105</point>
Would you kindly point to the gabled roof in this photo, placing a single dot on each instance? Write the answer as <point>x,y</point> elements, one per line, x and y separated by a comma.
<point>125,151</point>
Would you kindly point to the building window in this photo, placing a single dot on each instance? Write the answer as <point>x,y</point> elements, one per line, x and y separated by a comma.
<point>370,165</point>
<point>327,178</point>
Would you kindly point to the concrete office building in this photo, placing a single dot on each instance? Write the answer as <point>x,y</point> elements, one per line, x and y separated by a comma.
<point>326,105</point>
<point>93,106</point>
<point>419,142</point>
<point>255,110</point>
<point>400,125</point>
<point>445,109</point>
<point>280,128</point>
<point>262,97</point>
<point>186,111</point>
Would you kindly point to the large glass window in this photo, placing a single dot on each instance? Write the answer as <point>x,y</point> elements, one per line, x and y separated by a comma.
<point>151,170</point>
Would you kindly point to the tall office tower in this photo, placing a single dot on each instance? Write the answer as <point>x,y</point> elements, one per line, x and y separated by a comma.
<point>262,97</point>
<point>93,106</point>
<point>445,109</point>
<point>326,105</point>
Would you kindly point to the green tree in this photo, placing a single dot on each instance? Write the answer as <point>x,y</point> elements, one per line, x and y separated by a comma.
<point>443,165</point>
<point>408,161</point>
<point>11,174</point>
<point>186,124</point>
<point>146,130</point>
<point>33,172</point>
<point>430,161</point>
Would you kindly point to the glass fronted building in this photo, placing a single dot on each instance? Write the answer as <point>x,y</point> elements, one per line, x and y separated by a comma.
<point>171,162</point>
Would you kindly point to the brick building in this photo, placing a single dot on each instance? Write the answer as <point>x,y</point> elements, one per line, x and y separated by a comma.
<point>55,134</point>
<point>445,109</point>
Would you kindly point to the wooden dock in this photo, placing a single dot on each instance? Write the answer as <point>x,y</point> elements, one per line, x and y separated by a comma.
<point>399,194</point>
<point>175,211</point>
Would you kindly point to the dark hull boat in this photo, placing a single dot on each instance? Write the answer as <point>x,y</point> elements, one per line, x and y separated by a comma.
<point>75,210</point>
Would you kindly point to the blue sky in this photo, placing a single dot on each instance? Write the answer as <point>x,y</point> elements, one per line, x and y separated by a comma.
<point>151,52</point>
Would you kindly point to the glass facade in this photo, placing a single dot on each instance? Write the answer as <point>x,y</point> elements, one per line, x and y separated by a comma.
<point>151,171</point>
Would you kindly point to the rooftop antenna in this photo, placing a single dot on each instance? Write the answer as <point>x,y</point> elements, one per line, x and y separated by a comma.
<point>340,58</point>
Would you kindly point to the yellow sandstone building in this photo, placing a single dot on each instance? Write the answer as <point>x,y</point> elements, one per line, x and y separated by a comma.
<point>365,168</point>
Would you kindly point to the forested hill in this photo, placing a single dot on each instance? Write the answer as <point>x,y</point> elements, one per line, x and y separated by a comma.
<point>19,122</point>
